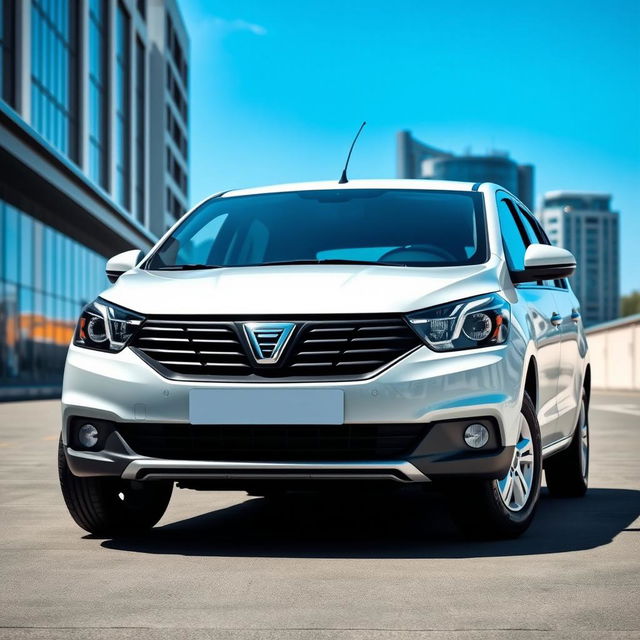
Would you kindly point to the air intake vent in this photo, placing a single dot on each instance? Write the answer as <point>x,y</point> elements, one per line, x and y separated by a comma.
<point>269,443</point>
<point>332,348</point>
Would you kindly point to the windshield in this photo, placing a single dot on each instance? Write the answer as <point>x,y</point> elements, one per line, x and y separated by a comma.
<point>381,226</point>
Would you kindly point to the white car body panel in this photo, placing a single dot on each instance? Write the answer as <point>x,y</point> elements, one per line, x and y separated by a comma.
<point>299,289</point>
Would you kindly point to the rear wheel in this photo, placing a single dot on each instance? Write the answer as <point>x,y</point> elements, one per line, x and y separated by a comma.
<point>111,506</point>
<point>503,508</point>
<point>567,473</point>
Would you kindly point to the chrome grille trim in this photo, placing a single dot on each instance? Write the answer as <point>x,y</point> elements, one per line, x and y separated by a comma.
<point>322,348</point>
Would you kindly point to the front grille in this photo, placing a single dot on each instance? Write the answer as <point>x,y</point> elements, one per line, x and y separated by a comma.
<point>194,346</point>
<point>268,443</point>
<point>336,348</point>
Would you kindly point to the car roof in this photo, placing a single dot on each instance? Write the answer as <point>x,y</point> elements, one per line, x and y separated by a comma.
<point>426,185</point>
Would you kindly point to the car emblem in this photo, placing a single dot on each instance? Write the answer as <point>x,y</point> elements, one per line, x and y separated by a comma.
<point>268,339</point>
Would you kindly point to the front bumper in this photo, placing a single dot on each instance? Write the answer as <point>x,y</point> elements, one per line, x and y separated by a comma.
<point>441,391</point>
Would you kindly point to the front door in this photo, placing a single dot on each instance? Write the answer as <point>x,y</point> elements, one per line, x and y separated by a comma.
<point>543,315</point>
<point>546,320</point>
<point>572,353</point>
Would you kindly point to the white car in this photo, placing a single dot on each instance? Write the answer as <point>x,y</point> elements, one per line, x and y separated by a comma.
<point>313,335</point>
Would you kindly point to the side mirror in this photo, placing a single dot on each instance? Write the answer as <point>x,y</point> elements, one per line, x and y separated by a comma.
<point>545,262</point>
<point>117,265</point>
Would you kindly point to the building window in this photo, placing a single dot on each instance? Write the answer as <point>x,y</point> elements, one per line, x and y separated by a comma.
<point>175,91</point>
<point>140,132</point>
<point>7,51</point>
<point>175,50</point>
<point>174,208</point>
<point>123,101</point>
<point>175,131</point>
<point>98,110</point>
<point>176,172</point>
<point>54,73</point>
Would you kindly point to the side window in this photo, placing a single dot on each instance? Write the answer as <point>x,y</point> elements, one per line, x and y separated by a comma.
<point>513,236</point>
<point>532,233</point>
<point>534,229</point>
<point>544,238</point>
<point>535,235</point>
<point>539,235</point>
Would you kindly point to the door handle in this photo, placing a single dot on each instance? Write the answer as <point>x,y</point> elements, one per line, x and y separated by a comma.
<point>555,319</point>
<point>575,315</point>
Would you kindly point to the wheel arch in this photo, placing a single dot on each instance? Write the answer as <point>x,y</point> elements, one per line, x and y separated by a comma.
<point>531,381</point>
<point>587,383</point>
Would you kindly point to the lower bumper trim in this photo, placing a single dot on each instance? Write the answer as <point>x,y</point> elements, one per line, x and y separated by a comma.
<point>159,469</point>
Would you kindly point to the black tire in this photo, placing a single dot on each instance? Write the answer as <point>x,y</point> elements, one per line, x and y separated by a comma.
<point>477,506</point>
<point>108,506</point>
<point>567,472</point>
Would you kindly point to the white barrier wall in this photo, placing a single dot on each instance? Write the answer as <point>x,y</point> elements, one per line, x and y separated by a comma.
<point>615,354</point>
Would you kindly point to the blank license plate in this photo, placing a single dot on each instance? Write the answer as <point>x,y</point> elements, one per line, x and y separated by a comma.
<point>266,406</point>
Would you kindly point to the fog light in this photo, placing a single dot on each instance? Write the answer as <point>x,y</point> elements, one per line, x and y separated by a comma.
<point>476,435</point>
<point>88,436</point>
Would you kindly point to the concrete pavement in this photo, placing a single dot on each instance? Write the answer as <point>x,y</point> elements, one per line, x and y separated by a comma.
<point>222,565</point>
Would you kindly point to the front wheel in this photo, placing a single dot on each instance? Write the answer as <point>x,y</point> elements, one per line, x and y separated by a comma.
<point>111,506</point>
<point>504,508</point>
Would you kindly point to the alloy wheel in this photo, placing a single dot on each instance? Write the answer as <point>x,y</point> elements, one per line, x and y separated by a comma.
<point>583,426</point>
<point>515,487</point>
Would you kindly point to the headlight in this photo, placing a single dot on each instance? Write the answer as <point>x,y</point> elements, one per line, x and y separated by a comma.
<point>106,327</point>
<point>466,324</point>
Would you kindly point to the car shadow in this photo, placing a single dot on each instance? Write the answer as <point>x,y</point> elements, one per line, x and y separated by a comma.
<point>407,524</point>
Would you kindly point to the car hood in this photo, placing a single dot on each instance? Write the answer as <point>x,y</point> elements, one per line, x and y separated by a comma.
<point>299,289</point>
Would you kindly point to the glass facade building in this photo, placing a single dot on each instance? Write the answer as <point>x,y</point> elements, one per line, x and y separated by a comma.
<point>123,127</point>
<point>97,104</point>
<point>54,73</point>
<point>83,116</point>
<point>45,280</point>
<point>140,130</point>
<point>176,152</point>
<point>7,51</point>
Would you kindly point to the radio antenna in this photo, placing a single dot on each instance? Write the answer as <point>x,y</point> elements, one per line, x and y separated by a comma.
<point>343,177</point>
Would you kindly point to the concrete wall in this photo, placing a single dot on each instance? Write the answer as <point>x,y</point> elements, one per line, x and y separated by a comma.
<point>615,354</point>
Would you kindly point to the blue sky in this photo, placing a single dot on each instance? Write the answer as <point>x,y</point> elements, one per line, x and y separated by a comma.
<point>278,89</point>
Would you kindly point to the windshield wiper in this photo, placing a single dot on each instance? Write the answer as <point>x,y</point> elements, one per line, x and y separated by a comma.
<point>327,261</point>
<point>189,267</point>
<point>186,267</point>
